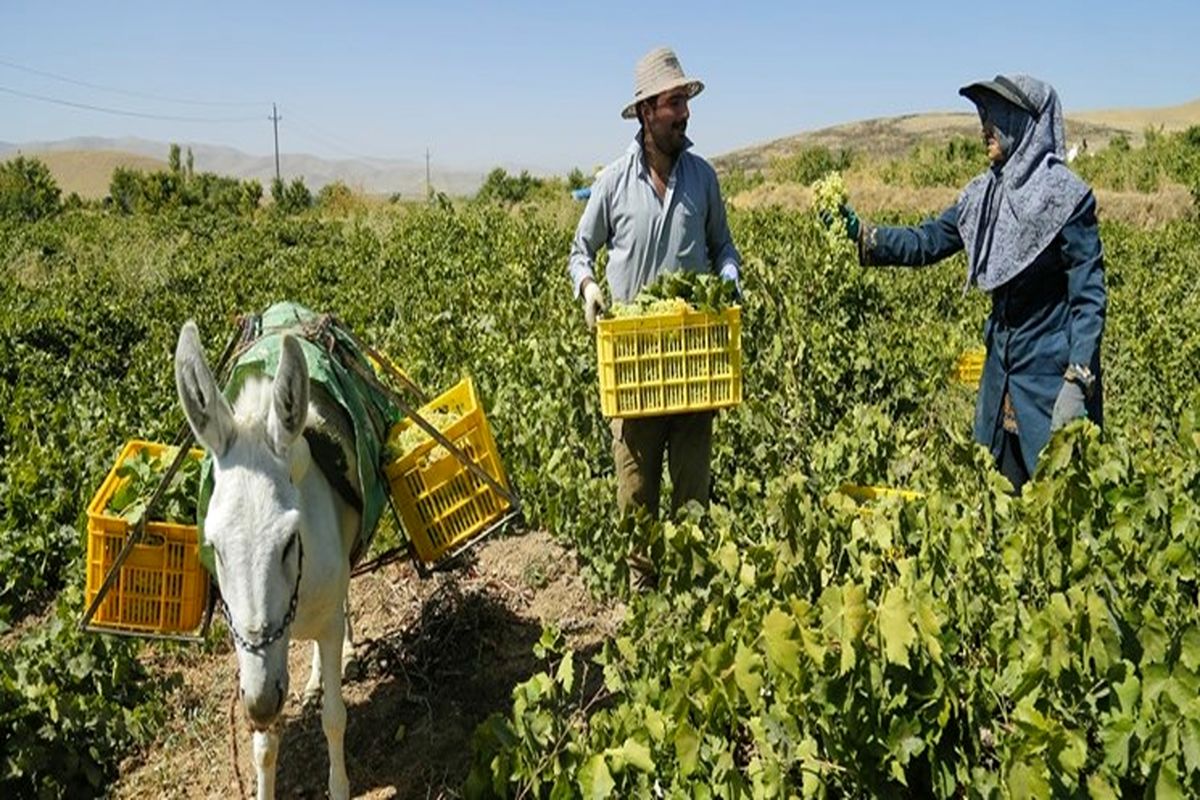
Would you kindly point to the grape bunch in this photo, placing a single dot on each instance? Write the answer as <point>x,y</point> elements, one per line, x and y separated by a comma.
<point>679,291</point>
<point>829,195</point>
<point>403,441</point>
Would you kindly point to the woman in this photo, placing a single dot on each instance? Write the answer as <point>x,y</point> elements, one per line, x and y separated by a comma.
<point>1029,227</point>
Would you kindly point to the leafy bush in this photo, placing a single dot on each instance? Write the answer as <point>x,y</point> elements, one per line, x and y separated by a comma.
<point>291,198</point>
<point>808,164</point>
<point>1164,157</point>
<point>500,187</point>
<point>179,187</point>
<point>337,198</point>
<point>951,164</point>
<point>27,190</point>
<point>739,180</point>
<point>576,179</point>
<point>72,705</point>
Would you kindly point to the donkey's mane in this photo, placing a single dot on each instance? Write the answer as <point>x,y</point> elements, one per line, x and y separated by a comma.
<point>326,420</point>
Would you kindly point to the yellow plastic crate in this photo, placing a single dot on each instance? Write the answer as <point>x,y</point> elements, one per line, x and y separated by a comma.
<point>162,587</point>
<point>862,493</point>
<point>969,367</point>
<point>440,501</point>
<point>670,363</point>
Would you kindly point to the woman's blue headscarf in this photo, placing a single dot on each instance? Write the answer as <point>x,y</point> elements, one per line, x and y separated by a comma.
<point>1011,213</point>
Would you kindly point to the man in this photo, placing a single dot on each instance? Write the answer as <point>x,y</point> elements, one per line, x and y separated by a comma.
<point>657,209</point>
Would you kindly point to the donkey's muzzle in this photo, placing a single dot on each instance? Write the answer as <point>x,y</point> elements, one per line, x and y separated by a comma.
<point>264,707</point>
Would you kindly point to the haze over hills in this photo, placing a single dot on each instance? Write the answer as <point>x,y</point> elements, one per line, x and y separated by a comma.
<point>374,175</point>
<point>85,164</point>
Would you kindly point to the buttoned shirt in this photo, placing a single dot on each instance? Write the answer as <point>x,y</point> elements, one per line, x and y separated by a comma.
<point>647,235</point>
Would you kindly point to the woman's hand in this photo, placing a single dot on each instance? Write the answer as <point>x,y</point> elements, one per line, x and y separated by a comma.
<point>848,217</point>
<point>1069,405</point>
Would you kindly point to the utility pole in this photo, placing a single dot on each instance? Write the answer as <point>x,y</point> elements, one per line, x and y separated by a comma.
<point>275,119</point>
<point>428,188</point>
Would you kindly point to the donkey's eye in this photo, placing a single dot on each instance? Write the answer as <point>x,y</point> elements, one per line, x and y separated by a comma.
<point>291,544</point>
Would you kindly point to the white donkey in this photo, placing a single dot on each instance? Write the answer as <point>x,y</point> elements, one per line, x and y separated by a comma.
<point>281,535</point>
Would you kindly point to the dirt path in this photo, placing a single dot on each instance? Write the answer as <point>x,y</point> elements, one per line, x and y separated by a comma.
<point>436,657</point>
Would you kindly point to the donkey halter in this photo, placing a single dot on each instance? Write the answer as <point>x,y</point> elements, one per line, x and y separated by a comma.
<point>273,636</point>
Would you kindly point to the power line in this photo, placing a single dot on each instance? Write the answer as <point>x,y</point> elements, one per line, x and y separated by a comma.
<point>141,95</point>
<point>322,136</point>
<point>124,113</point>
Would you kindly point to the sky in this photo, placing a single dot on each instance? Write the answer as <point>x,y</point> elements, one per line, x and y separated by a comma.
<point>540,85</point>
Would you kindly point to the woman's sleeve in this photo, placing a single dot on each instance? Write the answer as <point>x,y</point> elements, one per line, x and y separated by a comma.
<point>916,246</point>
<point>1088,300</point>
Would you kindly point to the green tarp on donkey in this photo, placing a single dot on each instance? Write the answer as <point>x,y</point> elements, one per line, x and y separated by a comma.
<point>347,447</point>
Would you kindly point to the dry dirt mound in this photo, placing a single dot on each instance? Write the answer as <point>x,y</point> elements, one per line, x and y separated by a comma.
<point>435,658</point>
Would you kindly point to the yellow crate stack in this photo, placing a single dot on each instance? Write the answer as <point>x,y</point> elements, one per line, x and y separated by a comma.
<point>162,587</point>
<point>440,501</point>
<point>969,367</point>
<point>670,363</point>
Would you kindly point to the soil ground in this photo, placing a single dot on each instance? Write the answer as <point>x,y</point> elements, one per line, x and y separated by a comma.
<point>435,657</point>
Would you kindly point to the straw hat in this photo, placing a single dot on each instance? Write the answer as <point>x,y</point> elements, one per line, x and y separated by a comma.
<point>658,72</point>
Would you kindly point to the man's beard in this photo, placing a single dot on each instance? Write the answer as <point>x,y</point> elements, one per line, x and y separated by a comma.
<point>671,142</point>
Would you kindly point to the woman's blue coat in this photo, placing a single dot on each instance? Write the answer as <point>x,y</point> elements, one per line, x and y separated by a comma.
<point>1049,316</point>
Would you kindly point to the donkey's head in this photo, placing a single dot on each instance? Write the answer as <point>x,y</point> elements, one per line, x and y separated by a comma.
<point>254,517</point>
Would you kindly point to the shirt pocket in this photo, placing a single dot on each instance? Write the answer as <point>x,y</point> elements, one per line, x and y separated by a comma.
<point>688,235</point>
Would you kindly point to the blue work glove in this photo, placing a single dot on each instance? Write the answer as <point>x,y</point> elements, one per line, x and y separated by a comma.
<point>1069,405</point>
<point>729,272</point>
<point>848,216</point>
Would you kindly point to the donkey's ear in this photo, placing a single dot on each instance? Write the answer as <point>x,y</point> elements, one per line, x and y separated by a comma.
<point>289,409</point>
<point>206,408</point>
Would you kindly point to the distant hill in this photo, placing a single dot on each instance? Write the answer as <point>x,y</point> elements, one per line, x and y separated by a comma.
<point>88,172</point>
<point>895,136</point>
<point>1136,120</point>
<point>87,162</point>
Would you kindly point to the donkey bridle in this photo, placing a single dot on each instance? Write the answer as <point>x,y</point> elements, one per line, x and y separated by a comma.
<point>273,636</point>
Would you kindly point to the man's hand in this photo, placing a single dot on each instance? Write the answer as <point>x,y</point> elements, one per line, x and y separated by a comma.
<point>729,273</point>
<point>848,217</point>
<point>593,302</point>
<point>1068,406</point>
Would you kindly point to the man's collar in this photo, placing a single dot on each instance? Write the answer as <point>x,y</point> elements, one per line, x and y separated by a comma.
<point>637,148</point>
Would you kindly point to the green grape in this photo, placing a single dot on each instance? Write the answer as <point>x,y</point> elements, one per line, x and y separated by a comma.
<point>829,194</point>
<point>404,442</point>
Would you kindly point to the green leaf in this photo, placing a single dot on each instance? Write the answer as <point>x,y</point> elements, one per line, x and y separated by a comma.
<point>1189,648</point>
<point>1099,788</point>
<point>565,676</point>
<point>727,558</point>
<point>1115,737</point>
<point>1189,740</point>
<point>1167,786</point>
<point>687,749</point>
<point>1073,754</point>
<point>895,626</point>
<point>747,666</point>
<point>811,641</point>
<point>930,628</point>
<point>1028,781</point>
<point>637,755</point>
<point>654,723</point>
<point>595,781</point>
<point>782,650</point>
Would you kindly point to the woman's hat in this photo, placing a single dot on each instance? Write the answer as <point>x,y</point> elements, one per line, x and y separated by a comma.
<point>1004,88</point>
<point>658,72</point>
